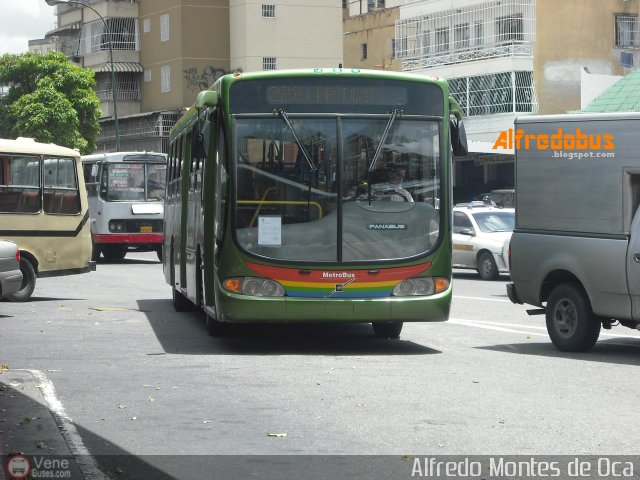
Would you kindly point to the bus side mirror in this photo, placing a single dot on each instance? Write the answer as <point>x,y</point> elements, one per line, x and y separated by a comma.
<point>94,170</point>
<point>206,98</point>
<point>458,138</point>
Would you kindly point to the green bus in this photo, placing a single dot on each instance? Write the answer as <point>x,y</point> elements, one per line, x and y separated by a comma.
<point>317,195</point>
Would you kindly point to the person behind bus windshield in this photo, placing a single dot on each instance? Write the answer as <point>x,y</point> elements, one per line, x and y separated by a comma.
<point>397,191</point>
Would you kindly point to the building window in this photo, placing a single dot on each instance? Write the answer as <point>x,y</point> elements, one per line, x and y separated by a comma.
<point>461,36</point>
<point>94,37</point>
<point>147,75</point>
<point>363,51</point>
<point>146,25</point>
<point>506,92</point>
<point>425,42</point>
<point>442,39</point>
<point>165,79</point>
<point>478,34</point>
<point>510,28</point>
<point>268,63</point>
<point>269,11</point>
<point>164,27</point>
<point>626,30</point>
<point>393,48</point>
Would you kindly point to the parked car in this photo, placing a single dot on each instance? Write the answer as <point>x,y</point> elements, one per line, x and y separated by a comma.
<point>10,274</point>
<point>505,197</point>
<point>481,237</point>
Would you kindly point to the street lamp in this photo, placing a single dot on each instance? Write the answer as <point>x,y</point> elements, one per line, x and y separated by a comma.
<point>113,75</point>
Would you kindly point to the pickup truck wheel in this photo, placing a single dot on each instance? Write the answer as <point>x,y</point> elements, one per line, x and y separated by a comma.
<point>487,268</point>
<point>571,323</point>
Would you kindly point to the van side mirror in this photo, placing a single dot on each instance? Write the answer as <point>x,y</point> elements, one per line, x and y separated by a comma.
<point>94,170</point>
<point>458,137</point>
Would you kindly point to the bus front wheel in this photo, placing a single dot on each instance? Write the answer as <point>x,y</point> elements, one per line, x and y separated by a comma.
<point>114,253</point>
<point>28,282</point>
<point>216,328</point>
<point>387,330</point>
<point>95,251</point>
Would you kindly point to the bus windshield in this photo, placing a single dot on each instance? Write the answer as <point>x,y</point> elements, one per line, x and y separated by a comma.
<point>341,205</point>
<point>133,181</point>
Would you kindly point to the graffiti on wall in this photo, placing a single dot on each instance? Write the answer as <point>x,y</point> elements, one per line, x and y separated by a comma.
<point>198,80</point>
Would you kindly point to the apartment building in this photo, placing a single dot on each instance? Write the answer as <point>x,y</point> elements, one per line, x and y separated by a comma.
<point>505,58</point>
<point>41,45</point>
<point>369,34</point>
<point>166,51</point>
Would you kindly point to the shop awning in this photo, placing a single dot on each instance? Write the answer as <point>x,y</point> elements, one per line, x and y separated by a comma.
<point>119,67</point>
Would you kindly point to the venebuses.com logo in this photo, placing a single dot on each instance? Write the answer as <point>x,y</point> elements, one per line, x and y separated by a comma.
<point>567,141</point>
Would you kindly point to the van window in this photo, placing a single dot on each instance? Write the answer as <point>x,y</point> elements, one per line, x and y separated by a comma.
<point>61,195</point>
<point>19,184</point>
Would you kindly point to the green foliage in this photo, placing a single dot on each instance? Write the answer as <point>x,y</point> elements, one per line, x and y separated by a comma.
<point>49,99</point>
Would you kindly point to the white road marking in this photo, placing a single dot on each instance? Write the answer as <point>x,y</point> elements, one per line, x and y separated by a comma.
<point>500,327</point>
<point>67,429</point>
<point>474,323</point>
<point>483,298</point>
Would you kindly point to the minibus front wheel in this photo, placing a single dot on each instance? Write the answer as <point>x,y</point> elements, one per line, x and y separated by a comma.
<point>28,282</point>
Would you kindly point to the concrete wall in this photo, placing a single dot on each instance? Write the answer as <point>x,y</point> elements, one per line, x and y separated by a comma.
<point>572,34</point>
<point>303,34</point>
<point>197,51</point>
<point>376,29</point>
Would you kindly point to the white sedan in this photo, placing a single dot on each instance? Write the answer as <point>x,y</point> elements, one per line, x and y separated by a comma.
<point>481,238</point>
<point>10,274</point>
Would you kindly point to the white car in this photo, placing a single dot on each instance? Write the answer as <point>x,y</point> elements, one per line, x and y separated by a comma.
<point>481,238</point>
<point>10,274</point>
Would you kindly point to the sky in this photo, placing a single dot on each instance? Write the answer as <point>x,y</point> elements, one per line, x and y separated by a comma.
<point>21,21</point>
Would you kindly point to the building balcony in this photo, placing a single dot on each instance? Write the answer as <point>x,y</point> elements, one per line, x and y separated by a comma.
<point>411,61</point>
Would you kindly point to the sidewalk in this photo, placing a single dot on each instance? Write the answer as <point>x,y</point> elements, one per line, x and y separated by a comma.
<point>29,429</point>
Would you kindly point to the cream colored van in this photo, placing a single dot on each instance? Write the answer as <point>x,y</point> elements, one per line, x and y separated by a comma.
<point>44,210</point>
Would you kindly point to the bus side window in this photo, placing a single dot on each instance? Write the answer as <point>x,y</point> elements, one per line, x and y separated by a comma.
<point>179,157</point>
<point>61,195</point>
<point>169,170</point>
<point>20,188</point>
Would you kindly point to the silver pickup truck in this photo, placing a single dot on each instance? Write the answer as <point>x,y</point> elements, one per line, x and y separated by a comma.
<point>575,249</point>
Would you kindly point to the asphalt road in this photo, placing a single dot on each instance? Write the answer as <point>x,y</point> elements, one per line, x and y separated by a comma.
<point>128,375</point>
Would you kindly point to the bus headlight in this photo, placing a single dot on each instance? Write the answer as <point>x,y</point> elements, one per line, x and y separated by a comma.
<point>421,286</point>
<point>116,226</point>
<point>254,287</point>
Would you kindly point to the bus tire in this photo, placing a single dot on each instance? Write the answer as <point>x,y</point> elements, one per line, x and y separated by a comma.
<point>114,253</point>
<point>95,252</point>
<point>387,330</point>
<point>180,302</point>
<point>571,324</point>
<point>487,268</point>
<point>216,328</point>
<point>28,282</point>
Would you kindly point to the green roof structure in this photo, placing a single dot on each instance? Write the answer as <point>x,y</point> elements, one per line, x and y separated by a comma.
<point>622,96</point>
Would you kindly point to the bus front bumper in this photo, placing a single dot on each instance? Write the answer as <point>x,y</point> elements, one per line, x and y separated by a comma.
<point>128,238</point>
<point>245,309</point>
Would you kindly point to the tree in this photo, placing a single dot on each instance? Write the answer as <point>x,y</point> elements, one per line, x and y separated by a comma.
<point>49,99</point>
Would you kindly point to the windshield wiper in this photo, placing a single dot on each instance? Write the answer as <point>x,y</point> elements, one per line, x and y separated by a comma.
<point>284,116</point>
<point>387,129</point>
